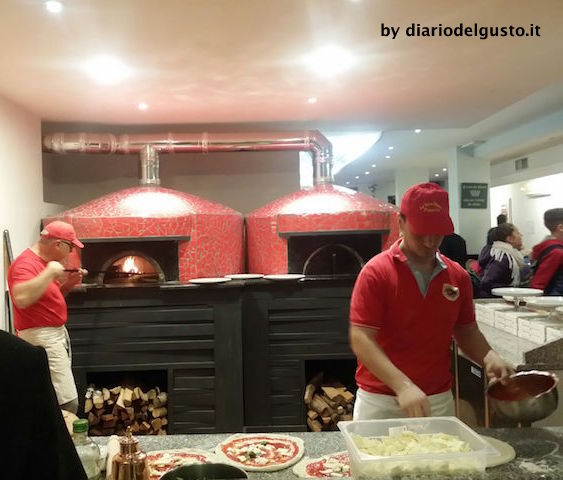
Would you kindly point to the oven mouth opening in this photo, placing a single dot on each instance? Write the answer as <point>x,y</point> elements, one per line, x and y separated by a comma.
<point>131,267</point>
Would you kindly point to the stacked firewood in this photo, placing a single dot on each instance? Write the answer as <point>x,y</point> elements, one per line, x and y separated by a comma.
<point>111,411</point>
<point>327,404</point>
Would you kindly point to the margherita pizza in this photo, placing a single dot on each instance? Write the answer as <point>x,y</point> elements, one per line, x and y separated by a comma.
<point>333,465</point>
<point>162,461</point>
<point>263,452</point>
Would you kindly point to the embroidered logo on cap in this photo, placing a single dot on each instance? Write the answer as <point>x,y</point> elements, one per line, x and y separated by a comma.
<point>430,207</point>
<point>450,292</point>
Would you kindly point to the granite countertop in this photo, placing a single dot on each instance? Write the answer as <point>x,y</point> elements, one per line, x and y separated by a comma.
<point>539,452</point>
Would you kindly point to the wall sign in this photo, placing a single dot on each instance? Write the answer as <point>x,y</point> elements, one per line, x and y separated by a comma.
<point>474,195</point>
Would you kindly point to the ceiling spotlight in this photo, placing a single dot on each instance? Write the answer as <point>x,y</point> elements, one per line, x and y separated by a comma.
<point>417,130</point>
<point>52,6</point>
<point>143,106</point>
<point>357,177</point>
<point>367,173</point>
<point>387,156</point>
<point>329,60</point>
<point>391,147</point>
<point>312,100</point>
<point>347,183</point>
<point>373,165</point>
<point>444,169</point>
<point>107,70</point>
<point>436,174</point>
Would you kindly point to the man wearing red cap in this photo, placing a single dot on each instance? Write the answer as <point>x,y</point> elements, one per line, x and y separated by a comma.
<point>408,303</point>
<point>38,284</point>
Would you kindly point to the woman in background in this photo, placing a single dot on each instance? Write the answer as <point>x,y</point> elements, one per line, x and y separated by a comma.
<point>503,263</point>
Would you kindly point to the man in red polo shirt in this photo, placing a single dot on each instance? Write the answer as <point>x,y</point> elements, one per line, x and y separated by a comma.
<point>35,280</point>
<point>407,304</point>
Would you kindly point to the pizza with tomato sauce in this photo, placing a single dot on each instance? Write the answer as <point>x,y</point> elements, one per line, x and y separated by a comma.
<point>261,452</point>
<point>162,461</point>
<point>333,465</point>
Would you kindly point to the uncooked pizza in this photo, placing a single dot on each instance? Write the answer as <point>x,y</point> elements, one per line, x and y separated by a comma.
<point>162,461</point>
<point>261,452</point>
<point>333,465</point>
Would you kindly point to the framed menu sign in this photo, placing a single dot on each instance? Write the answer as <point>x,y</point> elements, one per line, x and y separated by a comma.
<point>474,195</point>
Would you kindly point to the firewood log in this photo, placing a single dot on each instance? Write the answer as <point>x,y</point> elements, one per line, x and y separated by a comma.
<point>159,412</point>
<point>319,405</point>
<point>314,425</point>
<point>115,390</point>
<point>348,396</point>
<point>98,399</point>
<point>309,392</point>
<point>164,421</point>
<point>312,414</point>
<point>340,409</point>
<point>105,394</point>
<point>127,397</point>
<point>156,424</point>
<point>326,420</point>
<point>151,394</point>
<point>161,432</point>
<point>88,404</point>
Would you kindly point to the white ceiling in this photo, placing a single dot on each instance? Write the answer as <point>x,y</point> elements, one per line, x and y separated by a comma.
<point>240,62</point>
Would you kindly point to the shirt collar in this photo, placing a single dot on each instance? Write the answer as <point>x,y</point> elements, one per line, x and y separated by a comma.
<point>399,255</point>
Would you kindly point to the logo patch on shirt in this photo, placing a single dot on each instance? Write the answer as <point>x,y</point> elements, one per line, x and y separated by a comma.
<point>450,292</point>
<point>430,207</point>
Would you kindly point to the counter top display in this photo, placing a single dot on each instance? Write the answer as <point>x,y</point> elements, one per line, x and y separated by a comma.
<point>538,452</point>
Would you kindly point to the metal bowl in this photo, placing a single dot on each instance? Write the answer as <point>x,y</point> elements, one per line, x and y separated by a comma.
<point>200,471</point>
<point>527,396</point>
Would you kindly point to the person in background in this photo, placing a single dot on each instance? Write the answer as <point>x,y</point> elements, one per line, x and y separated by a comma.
<point>407,304</point>
<point>501,219</point>
<point>454,247</point>
<point>548,255</point>
<point>502,263</point>
<point>37,442</point>
<point>38,284</point>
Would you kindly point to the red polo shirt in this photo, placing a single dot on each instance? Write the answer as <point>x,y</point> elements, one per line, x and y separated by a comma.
<point>414,331</point>
<point>50,309</point>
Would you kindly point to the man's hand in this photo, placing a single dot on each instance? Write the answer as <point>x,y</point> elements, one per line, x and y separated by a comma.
<point>55,269</point>
<point>74,277</point>
<point>413,401</point>
<point>497,367</point>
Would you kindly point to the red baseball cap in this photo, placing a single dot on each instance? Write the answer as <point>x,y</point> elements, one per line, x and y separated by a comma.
<point>61,231</point>
<point>427,210</point>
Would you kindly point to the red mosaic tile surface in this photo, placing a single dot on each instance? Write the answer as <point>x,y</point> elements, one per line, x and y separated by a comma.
<point>215,247</point>
<point>321,208</point>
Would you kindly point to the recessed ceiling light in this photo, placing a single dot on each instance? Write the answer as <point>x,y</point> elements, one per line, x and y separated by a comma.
<point>417,130</point>
<point>312,100</point>
<point>329,60</point>
<point>387,156</point>
<point>357,177</point>
<point>436,174</point>
<point>391,147</point>
<point>347,183</point>
<point>52,6</point>
<point>444,169</point>
<point>107,70</point>
<point>367,173</point>
<point>373,165</point>
<point>143,106</point>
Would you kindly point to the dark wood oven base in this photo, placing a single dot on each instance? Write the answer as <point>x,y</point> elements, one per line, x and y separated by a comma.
<point>233,355</point>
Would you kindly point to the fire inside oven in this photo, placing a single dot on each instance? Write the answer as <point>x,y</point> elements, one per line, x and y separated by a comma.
<point>131,267</point>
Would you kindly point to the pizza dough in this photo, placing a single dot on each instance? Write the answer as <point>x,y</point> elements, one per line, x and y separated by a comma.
<point>261,452</point>
<point>162,461</point>
<point>332,465</point>
<point>506,452</point>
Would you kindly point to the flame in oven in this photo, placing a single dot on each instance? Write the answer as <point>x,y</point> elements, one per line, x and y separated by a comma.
<point>130,266</point>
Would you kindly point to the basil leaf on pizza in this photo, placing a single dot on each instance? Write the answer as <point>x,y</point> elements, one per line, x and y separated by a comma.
<point>162,461</point>
<point>332,465</point>
<point>261,452</point>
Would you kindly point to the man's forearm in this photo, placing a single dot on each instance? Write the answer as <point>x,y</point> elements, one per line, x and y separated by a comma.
<point>472,342</point>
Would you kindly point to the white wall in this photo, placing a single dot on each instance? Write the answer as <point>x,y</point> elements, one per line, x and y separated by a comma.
<point>21,181</point>
<point>525,207</point>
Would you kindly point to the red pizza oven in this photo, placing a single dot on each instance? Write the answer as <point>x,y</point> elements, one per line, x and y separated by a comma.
<point>324,230</point>
<point>153,234</point>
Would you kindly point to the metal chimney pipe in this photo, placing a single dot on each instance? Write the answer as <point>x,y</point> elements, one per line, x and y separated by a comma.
<point>149,165</point>
<point>311,141</point>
